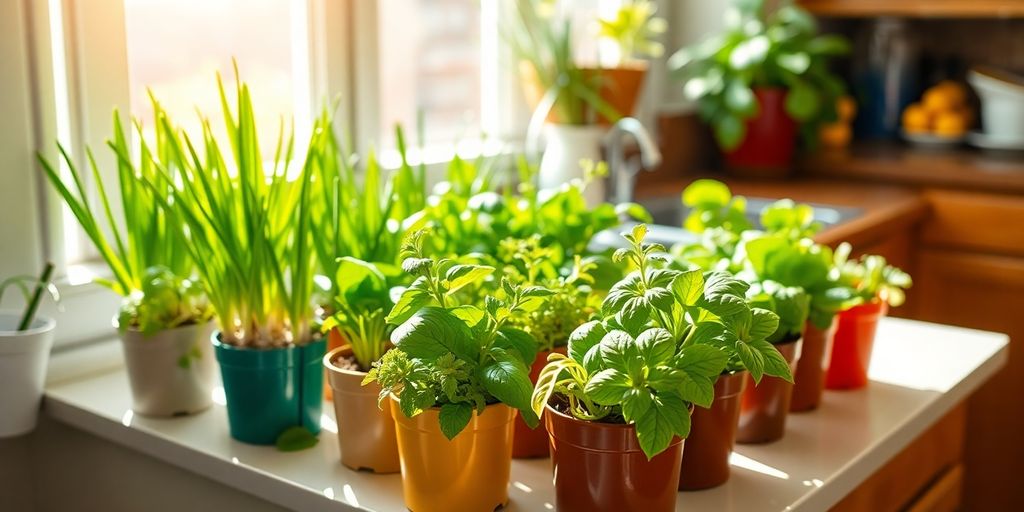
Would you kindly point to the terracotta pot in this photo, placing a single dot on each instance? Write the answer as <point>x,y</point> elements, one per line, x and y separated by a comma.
<point>770,141</point>
<point>600,467</point>
<point>810,369</point>
<point>529,442</point>
<point>712,436</point>
<point>764,407</point>
<point>619,87</point>
<point>470,472</point>
<point>851,352</point>
<point>334,340</point>
<point>171,372</point>
<point>366,432</point>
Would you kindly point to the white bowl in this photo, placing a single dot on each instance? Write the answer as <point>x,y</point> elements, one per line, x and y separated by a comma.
<point>1002,102</point>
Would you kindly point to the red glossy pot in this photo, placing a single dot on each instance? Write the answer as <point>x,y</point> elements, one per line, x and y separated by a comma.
<point>765,406</point>
<point>770,141</point>
<point>712,436</point>
<point>851,351</point>
<point>528,443</point>
<point>599,467</point>
<point>810,369</point>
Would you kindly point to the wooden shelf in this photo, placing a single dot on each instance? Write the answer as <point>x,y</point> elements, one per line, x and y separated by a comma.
<point>916,8</point>
<point>961,168</point>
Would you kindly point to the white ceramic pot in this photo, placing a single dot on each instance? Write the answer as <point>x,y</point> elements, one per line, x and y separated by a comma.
<point>566,145</point>
<point>1002,105</point>
<point>172,372</point>
<point>23,359</point>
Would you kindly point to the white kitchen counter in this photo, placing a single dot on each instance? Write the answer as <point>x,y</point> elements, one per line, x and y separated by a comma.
<point>919,372</point>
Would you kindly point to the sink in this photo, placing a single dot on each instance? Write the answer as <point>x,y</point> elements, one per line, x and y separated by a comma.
<point>669,213</point>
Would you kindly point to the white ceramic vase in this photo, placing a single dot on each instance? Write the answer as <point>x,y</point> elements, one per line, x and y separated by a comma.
<point>565,146</point>
<point>171,372</point>
<point>23,359</point>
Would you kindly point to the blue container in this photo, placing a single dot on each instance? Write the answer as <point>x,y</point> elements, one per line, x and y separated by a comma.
<point>270,390</point>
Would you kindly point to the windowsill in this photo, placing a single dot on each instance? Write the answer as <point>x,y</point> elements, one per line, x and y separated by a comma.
<point>919,372</point>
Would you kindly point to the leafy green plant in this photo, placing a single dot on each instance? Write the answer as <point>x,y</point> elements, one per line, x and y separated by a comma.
<point>871,277</point>
<point>458,357</point>
<point>634,29</point>
<point>250,228</point>
<point>32,298</point>
<point>144,240</point>
<point>163,300</point>
<point>780,49</point>
<point>663,338</point>
<point>790,303</point>
<point>362,305</point>
<point>543,43</point>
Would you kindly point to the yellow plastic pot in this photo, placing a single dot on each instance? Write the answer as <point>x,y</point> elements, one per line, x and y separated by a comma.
<point>469,473</point>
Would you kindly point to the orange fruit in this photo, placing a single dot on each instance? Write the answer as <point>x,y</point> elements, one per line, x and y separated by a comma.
<point>950,124</point>
<point>846,108</point>
<point>955,90</point>
<point>835,135</point>
<point>916,119</point>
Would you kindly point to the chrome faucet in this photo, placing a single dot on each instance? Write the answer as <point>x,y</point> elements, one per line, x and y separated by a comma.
<point>622,172</point>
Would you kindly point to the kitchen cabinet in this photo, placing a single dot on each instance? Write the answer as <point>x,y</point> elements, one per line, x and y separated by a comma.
<point>915,8</point>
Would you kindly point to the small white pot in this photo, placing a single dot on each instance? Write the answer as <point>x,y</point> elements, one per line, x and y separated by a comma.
<point>171,372</point>
<point>566,145</point>
<point>1002,105</point>
<point>23,359</point>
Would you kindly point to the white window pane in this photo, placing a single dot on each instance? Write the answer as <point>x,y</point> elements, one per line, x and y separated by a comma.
<point>175,47</point>
<point>430,61</point>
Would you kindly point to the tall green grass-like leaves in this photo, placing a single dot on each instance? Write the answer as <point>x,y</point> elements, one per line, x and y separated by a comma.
<point>144,245</point>
<point>248,226</point>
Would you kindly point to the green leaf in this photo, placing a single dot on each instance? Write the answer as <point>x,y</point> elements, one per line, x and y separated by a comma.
<point>688,287</point>
<point>763,324</point>
<point>729,130</point>
<point>656,346</point>
<point>774,364</point>
<point>412,299</point>
<point>460,276</point>
<point>296,438</point>
<point>666,418</point>
<point>433,332</point>
<point>518,342</point>
<point>802,101</point>
<point>724,295</point>
<point>707,333</point>
<point>471,315</point>
<point>508,382</point>
<point>752,360</point>
<point>796,63</point>
<point>583,343</point>
<point>701,360</point>
<point>454,418</point>
<point>828,45</point>
<point>607,387</point>
<point>706,194</point>
<point>617,348</point>
<point>740,98</point>
<point>636,403</point>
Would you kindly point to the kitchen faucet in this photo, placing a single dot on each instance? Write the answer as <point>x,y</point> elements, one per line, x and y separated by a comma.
<point>622,172</point>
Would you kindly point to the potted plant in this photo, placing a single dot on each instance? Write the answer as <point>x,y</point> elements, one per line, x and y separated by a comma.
<point>576,101</point>
<point>618,405</point>
<point>164,319</point>
<point>25,342</point>
<point>572,302</point>
<point>760,81</point>
<point>454,381</point>
<point>879,286</point>
<point>251,229</point>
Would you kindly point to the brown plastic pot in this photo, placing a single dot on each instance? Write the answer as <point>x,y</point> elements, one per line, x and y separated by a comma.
<point>809,376</point>
<point>470,472</point>
<point>529,443</point>
<point>171,372</point>
<point>764,407</point>
<point>619,87</point>
<point>334,340</point>
<point>366,432</point>
<point>712,436</point>
<point>600,467</point>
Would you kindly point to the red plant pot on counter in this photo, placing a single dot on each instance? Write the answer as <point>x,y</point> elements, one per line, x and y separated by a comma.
<point>851,351</point>
<point>770,141</point>
<point>809,378</point>
<point>765,406</point>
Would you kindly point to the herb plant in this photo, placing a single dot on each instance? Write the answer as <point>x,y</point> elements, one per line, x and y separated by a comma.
<point>458,357</point>
<point>144,242</point>
<point>362,305</point>
<point>664,337</point>
<point>32,298</point>
<point>790,303</point>
<point>777,50</point>
<point>871,277</point>
<point>634,29</point>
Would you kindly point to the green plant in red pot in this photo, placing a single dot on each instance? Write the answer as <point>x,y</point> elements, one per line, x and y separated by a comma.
<point>250,228</point>
<point>761,81</point>
<point>454,381</point>
<point>880,286</point>
<point>618,405</point>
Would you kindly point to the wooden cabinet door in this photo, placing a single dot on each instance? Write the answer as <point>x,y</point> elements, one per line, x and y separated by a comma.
<point>983,292</point>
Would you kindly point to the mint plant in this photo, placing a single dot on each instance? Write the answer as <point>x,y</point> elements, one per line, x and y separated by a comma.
<point>361,307</point>
<point>458,357</point>
<point>663,338</point>
<point>871,277</point>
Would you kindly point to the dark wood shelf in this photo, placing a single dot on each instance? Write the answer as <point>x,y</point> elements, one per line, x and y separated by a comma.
<point>963,167</point>
<point>916,8</point>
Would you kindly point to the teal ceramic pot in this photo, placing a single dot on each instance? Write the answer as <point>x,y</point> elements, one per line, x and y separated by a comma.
<point>269,390</point>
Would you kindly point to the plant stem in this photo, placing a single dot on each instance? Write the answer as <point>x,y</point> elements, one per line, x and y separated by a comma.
<point>33,304</point>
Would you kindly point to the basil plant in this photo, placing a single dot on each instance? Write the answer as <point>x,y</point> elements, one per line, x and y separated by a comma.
<point>662,339</point>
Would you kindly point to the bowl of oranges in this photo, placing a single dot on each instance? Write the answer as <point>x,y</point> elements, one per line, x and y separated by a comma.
<point>941,118</point>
